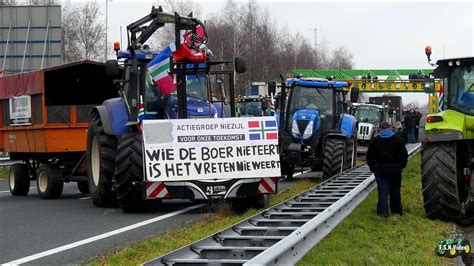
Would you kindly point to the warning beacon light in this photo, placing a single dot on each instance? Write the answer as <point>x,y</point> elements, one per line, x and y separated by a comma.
<point>116,47</point>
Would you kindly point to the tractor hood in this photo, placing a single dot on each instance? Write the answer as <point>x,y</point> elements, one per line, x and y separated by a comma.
<point>305,123</point>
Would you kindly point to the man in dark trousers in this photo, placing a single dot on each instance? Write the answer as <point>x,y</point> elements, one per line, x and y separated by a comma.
<point>386,157</point>
<point>410,124</point>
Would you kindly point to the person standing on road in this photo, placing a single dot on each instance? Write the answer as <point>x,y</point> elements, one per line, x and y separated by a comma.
<point>410,124</point>
<point>386,157</point>
<point>418,116</point>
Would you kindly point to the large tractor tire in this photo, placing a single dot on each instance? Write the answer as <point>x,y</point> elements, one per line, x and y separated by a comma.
<point>439,181</point>
<point>19,180</point>
<point>334,157</point>
<point>351,153</point>
<point>287,170</point>
<point>101,150</point>
<point>49,181</point>
<point>129,173</point>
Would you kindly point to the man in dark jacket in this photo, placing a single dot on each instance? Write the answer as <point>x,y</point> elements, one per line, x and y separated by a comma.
<point>386,157</point>
<point>410,124</point>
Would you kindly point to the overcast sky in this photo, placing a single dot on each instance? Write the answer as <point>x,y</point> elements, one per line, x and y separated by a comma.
<point>379,35</point>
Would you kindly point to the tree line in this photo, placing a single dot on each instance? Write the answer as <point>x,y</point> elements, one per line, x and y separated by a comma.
<point>239,29</point>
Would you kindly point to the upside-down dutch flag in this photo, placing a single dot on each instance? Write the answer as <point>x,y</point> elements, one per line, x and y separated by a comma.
<point>159,70</point>
<point>262,130</point>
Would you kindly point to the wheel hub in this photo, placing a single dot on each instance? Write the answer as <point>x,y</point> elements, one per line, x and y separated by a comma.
<point>42,181</point>
<point>12,179</point>
<point>95,161</point>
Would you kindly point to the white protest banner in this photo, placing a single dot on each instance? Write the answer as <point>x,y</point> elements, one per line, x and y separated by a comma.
<point>20,110</point>
<point>214,148</point>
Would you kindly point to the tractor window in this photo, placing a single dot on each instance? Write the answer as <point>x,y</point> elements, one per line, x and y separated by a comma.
<point>152,97</point>
<point>250,108</point>
<point>461,89</point>
<point>312,98</point>
<point>367,114</point>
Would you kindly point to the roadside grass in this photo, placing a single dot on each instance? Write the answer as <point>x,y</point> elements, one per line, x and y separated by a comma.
<point>364,238</point>
<point>4,172</point>
<point>176,238</point>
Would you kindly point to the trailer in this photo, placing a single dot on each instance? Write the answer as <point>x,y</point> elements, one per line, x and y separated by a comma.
<point>45,115</point>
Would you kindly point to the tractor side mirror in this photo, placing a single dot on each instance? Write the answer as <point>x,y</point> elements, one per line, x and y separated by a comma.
<point>240,65</point>
<point>111,68</point>
<point>354,94</point>
<point>271,87</point>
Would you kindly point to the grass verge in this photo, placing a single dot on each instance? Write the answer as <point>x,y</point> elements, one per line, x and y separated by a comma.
<point>176,238</point>
<point>4,172</point>
<point>364,238</point>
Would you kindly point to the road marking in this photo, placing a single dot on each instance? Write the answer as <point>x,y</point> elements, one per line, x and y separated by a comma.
<point>300,173</point>
<point>84,198</point>
<point>8,191</point>
<point>102,236</point>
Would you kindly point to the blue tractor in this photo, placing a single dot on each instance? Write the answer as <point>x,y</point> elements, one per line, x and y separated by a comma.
<point>315,131</point>
<point>115,140</point>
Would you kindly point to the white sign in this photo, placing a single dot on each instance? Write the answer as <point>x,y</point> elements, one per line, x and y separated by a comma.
<point>214,148</point>
<point>20,110</point>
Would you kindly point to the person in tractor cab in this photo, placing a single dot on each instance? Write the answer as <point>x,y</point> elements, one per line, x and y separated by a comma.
<point>386,157</point>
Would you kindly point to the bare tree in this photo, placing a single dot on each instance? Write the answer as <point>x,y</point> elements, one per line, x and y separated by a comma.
<point>341,59</point>
<point>82,32</point>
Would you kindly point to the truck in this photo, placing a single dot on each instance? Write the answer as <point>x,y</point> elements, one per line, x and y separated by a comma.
<point>447,153</point>
<point>369,116</point>
<point>315,130</point>
<point>144,146</point>
<point>394,104</point>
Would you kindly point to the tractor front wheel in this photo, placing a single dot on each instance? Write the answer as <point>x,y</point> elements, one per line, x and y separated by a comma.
<point>334,154</point>
<point>129,172</point>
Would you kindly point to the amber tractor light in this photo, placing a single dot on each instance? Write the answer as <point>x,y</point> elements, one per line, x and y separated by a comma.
<point>434,119</point>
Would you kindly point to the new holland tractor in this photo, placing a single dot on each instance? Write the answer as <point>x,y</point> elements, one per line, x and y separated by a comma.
<point>315,131</point>
<point>448,150</point>
<point>116,142</point>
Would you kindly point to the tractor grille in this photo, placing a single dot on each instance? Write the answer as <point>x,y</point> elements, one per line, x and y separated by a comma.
<point>364,130</point>
<point>302,125</point>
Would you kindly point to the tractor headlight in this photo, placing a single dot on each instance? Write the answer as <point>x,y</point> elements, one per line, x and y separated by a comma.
<point>294,129</point>
<point>215,115</point>
<point>308,131</point>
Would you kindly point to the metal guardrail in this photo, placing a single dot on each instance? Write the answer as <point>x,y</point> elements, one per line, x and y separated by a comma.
<point>284,233</point>
<point>6,162</point>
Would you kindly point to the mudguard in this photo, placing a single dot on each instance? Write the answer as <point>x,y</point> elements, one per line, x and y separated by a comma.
<point>114,116</point>
<point>347,125</point>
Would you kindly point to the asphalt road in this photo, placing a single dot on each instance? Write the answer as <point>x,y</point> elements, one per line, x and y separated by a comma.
<point>71,230</point>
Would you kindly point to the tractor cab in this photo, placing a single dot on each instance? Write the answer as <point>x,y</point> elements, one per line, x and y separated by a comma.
<point>369,117</point>
<point>251,106</point>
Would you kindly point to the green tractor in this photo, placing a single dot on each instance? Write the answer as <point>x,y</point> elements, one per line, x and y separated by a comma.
<point>448,149</point>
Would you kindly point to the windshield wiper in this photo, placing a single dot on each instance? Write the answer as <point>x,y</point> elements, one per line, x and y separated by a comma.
<point>320,93</point>
<point>468,90</point>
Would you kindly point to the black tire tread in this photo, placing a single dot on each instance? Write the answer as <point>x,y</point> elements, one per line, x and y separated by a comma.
<point>334,150</point>
<point>439,181</point>
<point>129,173</point>
<point>55,185</point>
<point>22,180</point>
<point>102,196</point>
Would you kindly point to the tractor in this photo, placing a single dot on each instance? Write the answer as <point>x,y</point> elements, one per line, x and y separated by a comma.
<point>447,153</point>
<point>369,117</point>
<point>314,129</point>
<point>116,141</point>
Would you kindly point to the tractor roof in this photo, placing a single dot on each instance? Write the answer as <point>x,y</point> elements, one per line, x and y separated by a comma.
<point>463,61</point>
<point>141,55</point>
<point>317,83</point>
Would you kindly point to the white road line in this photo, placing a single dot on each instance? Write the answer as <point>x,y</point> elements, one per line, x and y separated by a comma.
<point>84,198</point>
<point>300,173</point>
<point>102,236</point>
<point>8,191</point>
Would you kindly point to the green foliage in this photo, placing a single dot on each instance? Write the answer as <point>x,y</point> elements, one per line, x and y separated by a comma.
<point>365,238</point>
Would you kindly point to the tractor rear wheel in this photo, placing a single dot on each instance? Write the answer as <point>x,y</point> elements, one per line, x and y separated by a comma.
<point>439,181</point>
<point>19,180</point>
<point>334,157</point>
<point>101,150</point>
<point>129,173</point>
